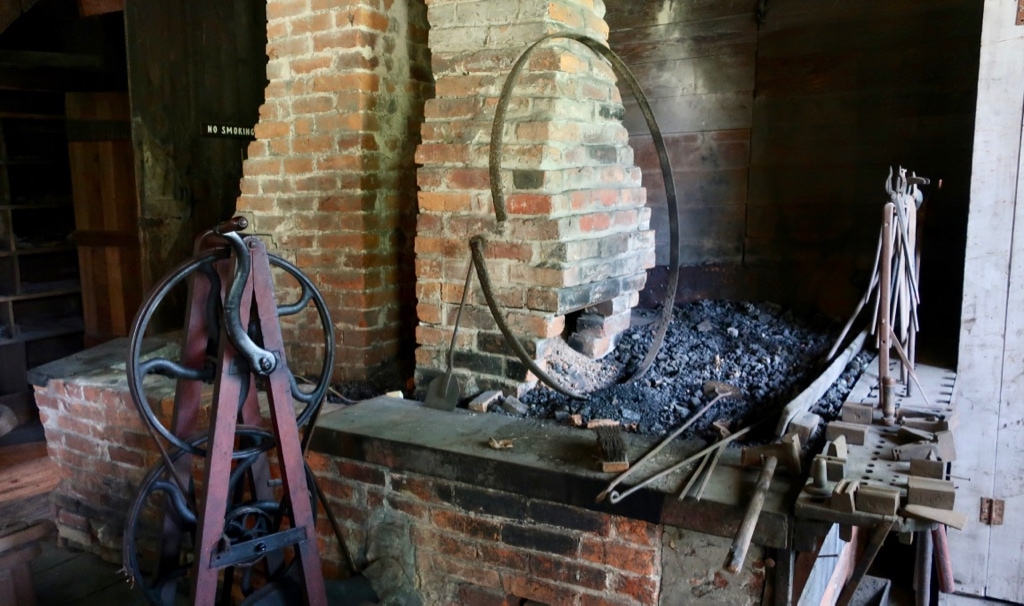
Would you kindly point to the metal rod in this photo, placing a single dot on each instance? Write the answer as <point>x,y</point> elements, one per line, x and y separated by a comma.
<point>622,476</point>
<point>693,477</point>
<point>614,496</point>
<point>708,472</point>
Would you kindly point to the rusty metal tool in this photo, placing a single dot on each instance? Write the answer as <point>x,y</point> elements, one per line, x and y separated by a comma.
<point>943,563</point>
<point>787,453</point>
<point>722,390</point>
<point>443,391</point>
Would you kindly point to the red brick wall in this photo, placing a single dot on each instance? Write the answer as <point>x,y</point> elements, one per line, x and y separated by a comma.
<point>477,547</point>
<point>577,234</point>
<point>330,178</point>
<point>102,450</point>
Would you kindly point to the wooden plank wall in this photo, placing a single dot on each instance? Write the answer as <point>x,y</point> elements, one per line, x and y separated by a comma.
<point>781,134</point>
<point>988,560</point>
<point>190,62</point>
<point>695,61</point>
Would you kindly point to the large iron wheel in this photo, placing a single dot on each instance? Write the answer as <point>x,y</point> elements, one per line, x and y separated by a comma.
<point>203,267</point>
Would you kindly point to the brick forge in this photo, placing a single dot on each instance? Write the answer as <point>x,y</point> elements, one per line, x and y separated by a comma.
<point>429,514</point>
<point>576,243</point>
<point>330,179</point>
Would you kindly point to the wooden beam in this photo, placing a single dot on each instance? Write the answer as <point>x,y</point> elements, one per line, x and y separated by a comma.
<point>90,8</point>
<point>25,59</point>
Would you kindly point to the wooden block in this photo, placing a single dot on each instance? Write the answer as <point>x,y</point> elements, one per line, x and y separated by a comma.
<point>484,401</point>
<point>858,413</point>
<point>946,445</point>
<point>955,519</point>
<point>929,492</point>
<point>835,469</point>
<point>927,468</point>
<point>875,499</point>
<point>855,433</point>
<point>837,448</point>
<point>844,496</point>
<point>805,425</point>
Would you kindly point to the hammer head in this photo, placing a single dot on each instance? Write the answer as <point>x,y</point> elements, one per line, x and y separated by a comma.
<point>786,451</point>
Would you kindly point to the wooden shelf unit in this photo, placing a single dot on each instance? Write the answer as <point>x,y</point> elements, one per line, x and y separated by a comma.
<point>40,292</point>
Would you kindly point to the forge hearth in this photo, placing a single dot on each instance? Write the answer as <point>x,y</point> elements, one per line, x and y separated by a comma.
<point>765,351</point>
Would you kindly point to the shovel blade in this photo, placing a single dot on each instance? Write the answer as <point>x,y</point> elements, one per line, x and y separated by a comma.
<point>443,393</point>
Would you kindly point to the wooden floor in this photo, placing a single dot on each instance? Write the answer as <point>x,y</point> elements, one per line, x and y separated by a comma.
<point>65,578</point>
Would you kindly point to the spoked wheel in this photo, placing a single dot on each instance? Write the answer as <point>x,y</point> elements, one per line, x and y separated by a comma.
<point>160,527</point>
<point>205,270</point>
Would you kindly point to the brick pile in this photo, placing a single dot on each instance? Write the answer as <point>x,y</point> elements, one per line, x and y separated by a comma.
<point>577,237</point>
<point>330,178</point>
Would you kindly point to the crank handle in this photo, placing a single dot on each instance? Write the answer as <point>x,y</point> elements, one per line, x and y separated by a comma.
<point>261,361</point>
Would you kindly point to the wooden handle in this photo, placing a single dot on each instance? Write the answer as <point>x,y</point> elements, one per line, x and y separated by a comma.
<point>741,543</point>
<point>943,565</point>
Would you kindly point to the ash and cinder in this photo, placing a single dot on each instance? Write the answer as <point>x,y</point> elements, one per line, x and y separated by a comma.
<point>768,353</point>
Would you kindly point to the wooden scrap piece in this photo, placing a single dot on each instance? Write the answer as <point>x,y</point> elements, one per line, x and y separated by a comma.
<point>611,448</point>
<point>594,423</point>
<point>955,519</point>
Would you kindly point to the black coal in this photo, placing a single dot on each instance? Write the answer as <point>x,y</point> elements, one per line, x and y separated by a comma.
<point>767,352</point>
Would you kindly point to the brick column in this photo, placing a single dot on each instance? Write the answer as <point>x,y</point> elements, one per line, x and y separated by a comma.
<point>577,238</point>
<point>330,177</point>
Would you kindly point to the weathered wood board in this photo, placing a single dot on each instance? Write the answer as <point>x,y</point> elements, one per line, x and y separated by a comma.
<point>106,216</point>
<point>988,560</point>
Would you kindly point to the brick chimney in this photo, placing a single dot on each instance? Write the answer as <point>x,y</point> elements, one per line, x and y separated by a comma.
<point>330,179</point>
<point>577,237</point>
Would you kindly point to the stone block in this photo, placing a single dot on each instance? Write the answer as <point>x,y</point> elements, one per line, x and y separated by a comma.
<point>484,401</point>
<point>940,494</point>
<point>855,433</point>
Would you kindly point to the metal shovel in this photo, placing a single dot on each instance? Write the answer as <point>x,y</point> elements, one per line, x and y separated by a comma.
<point>443,391</point>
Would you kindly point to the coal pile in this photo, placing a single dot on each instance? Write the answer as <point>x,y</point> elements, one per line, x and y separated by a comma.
<point>768,353</point>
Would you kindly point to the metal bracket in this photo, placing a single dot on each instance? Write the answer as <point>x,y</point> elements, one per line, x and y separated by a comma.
<point>992,511</point>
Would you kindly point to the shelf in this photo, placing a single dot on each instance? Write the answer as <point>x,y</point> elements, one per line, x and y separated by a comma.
<point>42,250</point>
<point>47,206</point>
<point>38,330</point>
<point>41,290</point>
